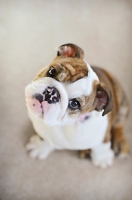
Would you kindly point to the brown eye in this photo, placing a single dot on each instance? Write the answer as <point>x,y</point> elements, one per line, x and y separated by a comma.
<point>74,104</point>
<point>52,72</point>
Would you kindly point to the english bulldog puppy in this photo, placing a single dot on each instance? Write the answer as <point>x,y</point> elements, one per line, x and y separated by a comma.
<point>78,107</point>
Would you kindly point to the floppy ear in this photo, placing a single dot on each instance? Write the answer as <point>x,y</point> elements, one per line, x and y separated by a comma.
<point>103,99</point>
<point>70,50</point>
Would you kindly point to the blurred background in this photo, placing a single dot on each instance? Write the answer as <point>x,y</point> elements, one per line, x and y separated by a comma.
<point>30,30</point>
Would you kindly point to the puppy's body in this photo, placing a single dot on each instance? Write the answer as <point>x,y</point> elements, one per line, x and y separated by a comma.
<point>75,136</point>
<point>63,101</point>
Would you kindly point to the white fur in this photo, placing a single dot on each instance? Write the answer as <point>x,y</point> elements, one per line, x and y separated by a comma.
<point>75,136</point>
<point>102,155</point>
<point>38,148</point>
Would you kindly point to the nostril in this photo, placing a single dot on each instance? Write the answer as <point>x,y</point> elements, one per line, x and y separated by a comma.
<point>39,97</point>
<point>51,95</point>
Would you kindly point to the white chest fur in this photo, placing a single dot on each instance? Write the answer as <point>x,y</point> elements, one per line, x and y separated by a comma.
<point>76,136</point>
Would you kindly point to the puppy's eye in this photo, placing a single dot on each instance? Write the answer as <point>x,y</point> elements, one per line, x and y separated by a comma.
<point>52,72</point>
<point>74,104</point>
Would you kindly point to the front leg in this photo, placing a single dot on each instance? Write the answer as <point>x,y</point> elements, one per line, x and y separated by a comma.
<point>38,148</point>
<point>102,155</point>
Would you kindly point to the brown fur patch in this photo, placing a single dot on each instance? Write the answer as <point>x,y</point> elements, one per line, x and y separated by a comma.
<point>67,69</point>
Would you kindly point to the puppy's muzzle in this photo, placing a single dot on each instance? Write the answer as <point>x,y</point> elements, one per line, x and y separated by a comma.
<point>47,99</point>
<point>50,94</point>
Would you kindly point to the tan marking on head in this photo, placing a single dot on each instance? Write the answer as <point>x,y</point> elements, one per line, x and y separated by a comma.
<point>69,64</point>
<point>67,69</point>
<point>70,68</point>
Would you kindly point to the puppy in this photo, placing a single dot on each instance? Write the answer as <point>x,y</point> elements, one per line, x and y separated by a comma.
<point>77,107</point>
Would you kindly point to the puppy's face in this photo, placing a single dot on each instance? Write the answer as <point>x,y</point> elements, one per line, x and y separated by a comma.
<point>66,89</point>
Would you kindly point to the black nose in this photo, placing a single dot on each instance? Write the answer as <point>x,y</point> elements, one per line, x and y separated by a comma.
<point>51,95</point>
<point>39,97</point>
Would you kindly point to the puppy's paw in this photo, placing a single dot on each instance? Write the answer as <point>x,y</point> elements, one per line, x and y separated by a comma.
<point>38,148</point>
<point>102,156</point>
<point>105,160</point>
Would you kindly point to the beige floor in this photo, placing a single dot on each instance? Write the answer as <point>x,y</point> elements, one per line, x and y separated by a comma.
<point>29,32</point>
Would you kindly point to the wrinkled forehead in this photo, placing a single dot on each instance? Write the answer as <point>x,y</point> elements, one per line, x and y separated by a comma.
<point>82,87</point>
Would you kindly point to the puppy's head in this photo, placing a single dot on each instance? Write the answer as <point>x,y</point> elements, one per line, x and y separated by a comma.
<point>67,88</point>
